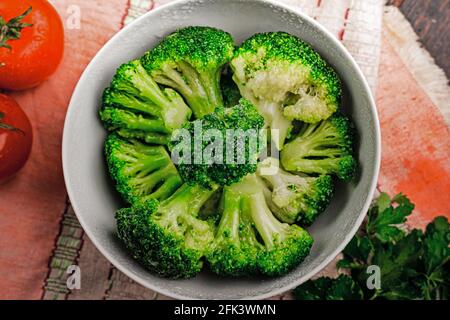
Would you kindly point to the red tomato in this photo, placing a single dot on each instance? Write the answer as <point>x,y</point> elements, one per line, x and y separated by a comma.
<point>31,44</point>
<point>16,137</point>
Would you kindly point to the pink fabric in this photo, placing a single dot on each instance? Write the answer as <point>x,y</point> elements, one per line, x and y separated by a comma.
<point>31,205</point>
<point>415,141</point>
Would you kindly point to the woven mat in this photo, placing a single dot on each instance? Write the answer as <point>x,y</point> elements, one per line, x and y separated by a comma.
<point>39,233</point>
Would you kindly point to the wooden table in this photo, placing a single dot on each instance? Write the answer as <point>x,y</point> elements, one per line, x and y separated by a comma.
<point>431,21</point>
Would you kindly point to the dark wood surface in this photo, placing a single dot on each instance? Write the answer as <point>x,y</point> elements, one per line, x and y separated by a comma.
<point>431,21</point>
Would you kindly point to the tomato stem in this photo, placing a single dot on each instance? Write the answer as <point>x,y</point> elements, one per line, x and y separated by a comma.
<point>11,30</point>
<point>8,126</point>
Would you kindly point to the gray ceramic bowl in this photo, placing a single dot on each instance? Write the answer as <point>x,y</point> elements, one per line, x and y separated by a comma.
<point>91,192</point>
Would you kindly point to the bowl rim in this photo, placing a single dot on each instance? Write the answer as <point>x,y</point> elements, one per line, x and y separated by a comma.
<point>329,258</point>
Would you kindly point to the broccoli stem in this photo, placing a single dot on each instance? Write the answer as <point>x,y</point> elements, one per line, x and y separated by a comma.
<point>141,172</point>
<point>150,168</point>
<point>141,123</point>
<point>197,234</point>
<point>141,165</point>
<point>184,204</point>
<point>187,200</point>
<point>148,88</point>
<point>146,183</point>
<point>312,143</point>
<point>273,115</point>
<point>156,139</point>
<point>314,137</point>
<point>318,166</point>
<point>269,228</point>
<point>125,119</point>
<point>323,148</point>
<point>192,78</point>
<point>130,102</point>
<point>133,89</point>
<point>257,212</point>
<point>178,81</point>
<point>167,188</point>
<point>211,81</point>
<point>173,78</point>
<point>149,137</point>
<point>235,196</point>
<point>201,91</point>
<point>275,180</point>
<point>229,223</point>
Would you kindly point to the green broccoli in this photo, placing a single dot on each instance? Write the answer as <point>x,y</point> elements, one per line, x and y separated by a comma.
<point>197,190</point>
<point>190,61</point>
<point>235,247</point>
<point>286,79</point>
<point>293,198</point>
<point>249,238</point>
<point>167,237</point>
<point>231,141</point>
<point>141,172</point>
<point>322,148</point>
<point>137,107</point>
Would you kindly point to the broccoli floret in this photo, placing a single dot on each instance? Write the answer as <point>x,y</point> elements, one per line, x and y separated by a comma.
<point>235,247</point>
<point>250,238</point>
<point>323,148</point>
<point>141,172</point>
<point>190,60</point>
<point>148,137</point>
<point>293,198</point>
<point>167,237</point>
<point>130,125</point>
<point>286,79</point>
<point>137,107</point>
<point>230,144</point>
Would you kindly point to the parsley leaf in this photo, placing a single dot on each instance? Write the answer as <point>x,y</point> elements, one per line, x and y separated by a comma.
<point>397,262</point>
<point>411,266</point>
<point>384,219</point>
<point>324,288</point>
<point>356,253</point>
<point>314,289</point>
<point>436,257</point>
